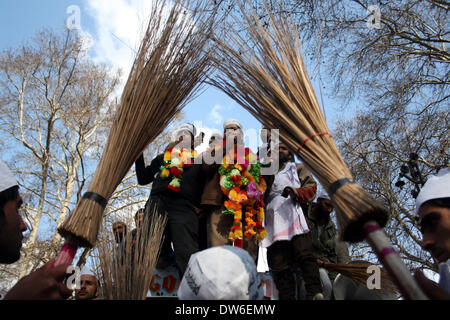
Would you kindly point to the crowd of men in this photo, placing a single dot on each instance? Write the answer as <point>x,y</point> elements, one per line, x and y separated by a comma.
<point>299,230</point>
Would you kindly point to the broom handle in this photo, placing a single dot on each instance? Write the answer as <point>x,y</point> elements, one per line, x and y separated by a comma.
<point>67,253</point>
<point>398,271</point>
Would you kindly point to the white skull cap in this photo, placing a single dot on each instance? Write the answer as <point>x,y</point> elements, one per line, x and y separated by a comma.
<point>87,271</point>
<point>7,179</point>
<point>185,126</point>
<point>221,273</point>
<point>216,133</point>
<point>324,195</point>
<point>228,122</point>
<point>436,187</point>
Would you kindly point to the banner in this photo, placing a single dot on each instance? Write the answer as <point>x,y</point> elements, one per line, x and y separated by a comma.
<point>165,283</point>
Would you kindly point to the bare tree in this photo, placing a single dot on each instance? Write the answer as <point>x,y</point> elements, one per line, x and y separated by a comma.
<point>389,53</point>
<point>392,158</point>
<point>54,100</point>
<point>57,107</point>
<point>390,59</point>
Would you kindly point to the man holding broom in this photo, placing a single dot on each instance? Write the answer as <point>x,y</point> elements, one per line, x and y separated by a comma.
<point>288,239</point>
<point>176,190</point>
<point>45,283</point>
<point>433,208</point>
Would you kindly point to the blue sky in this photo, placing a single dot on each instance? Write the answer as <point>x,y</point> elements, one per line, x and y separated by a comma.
<point>111,25</point>
<point>113,28</point>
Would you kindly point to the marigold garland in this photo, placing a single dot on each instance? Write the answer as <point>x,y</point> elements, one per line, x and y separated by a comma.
<point>175,161</point>
<point>242,183</point>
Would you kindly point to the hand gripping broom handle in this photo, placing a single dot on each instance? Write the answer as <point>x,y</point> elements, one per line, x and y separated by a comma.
<point>67,253</point>
<point>398,271</point>
<point>70,247</point>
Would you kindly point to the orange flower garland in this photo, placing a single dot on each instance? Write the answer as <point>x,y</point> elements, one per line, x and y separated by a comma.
<point>242,183</point>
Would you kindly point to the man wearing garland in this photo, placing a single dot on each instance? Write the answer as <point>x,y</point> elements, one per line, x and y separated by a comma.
<point>176,190</point>
<point>233,193</point>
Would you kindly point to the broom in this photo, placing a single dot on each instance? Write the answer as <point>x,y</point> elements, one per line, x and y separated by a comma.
<point>358,272</point>
<point>263,70</point>
<point>167,72</point>
<point>126,274</point>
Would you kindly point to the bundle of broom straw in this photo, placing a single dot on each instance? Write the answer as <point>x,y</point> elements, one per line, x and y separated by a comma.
<point>167,73</point>
<point>358,272</point>
<point>125,272</point>
<point>263,70</point>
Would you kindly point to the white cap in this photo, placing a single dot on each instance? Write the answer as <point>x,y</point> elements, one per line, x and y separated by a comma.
<point>232,121</point>
<point>187,127</point>
<point>436,187</point>
<point>87,272</point>
<point>324,195</point>
<point>7,179</point>
<point>221,273</point>
<point>216,133</point>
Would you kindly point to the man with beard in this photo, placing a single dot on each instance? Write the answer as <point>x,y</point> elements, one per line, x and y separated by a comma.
<point>120,231</point>
<point>326,246</point>
<point>218,224</point>
<point>176,191</point>
<point>288,239</point>
<point>324,235</point>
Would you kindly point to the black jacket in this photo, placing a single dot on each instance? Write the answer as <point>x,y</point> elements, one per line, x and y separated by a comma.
<point>191,184</point>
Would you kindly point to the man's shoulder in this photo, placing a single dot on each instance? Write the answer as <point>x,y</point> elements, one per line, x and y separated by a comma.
<point>158,158</point>
<point>302,169</point>
<point>300,165</point>
<point>330,226</point>
<point>310,213</point>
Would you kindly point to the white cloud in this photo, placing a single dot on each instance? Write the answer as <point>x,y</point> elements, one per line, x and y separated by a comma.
<point>87,39</point>
<point>120,26</point>
<point>215,116</point>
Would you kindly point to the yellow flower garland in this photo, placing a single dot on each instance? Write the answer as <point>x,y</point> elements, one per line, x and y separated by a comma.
<point>244,186</point>
<point>175,161</point>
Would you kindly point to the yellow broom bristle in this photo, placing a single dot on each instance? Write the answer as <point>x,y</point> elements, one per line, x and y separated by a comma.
<point>167,73</point>
<point>126,274</point>
<point>263,70</point>
<point>357,271</point>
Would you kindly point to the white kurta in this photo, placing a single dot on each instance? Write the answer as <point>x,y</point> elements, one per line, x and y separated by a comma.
<point>284,218</point>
